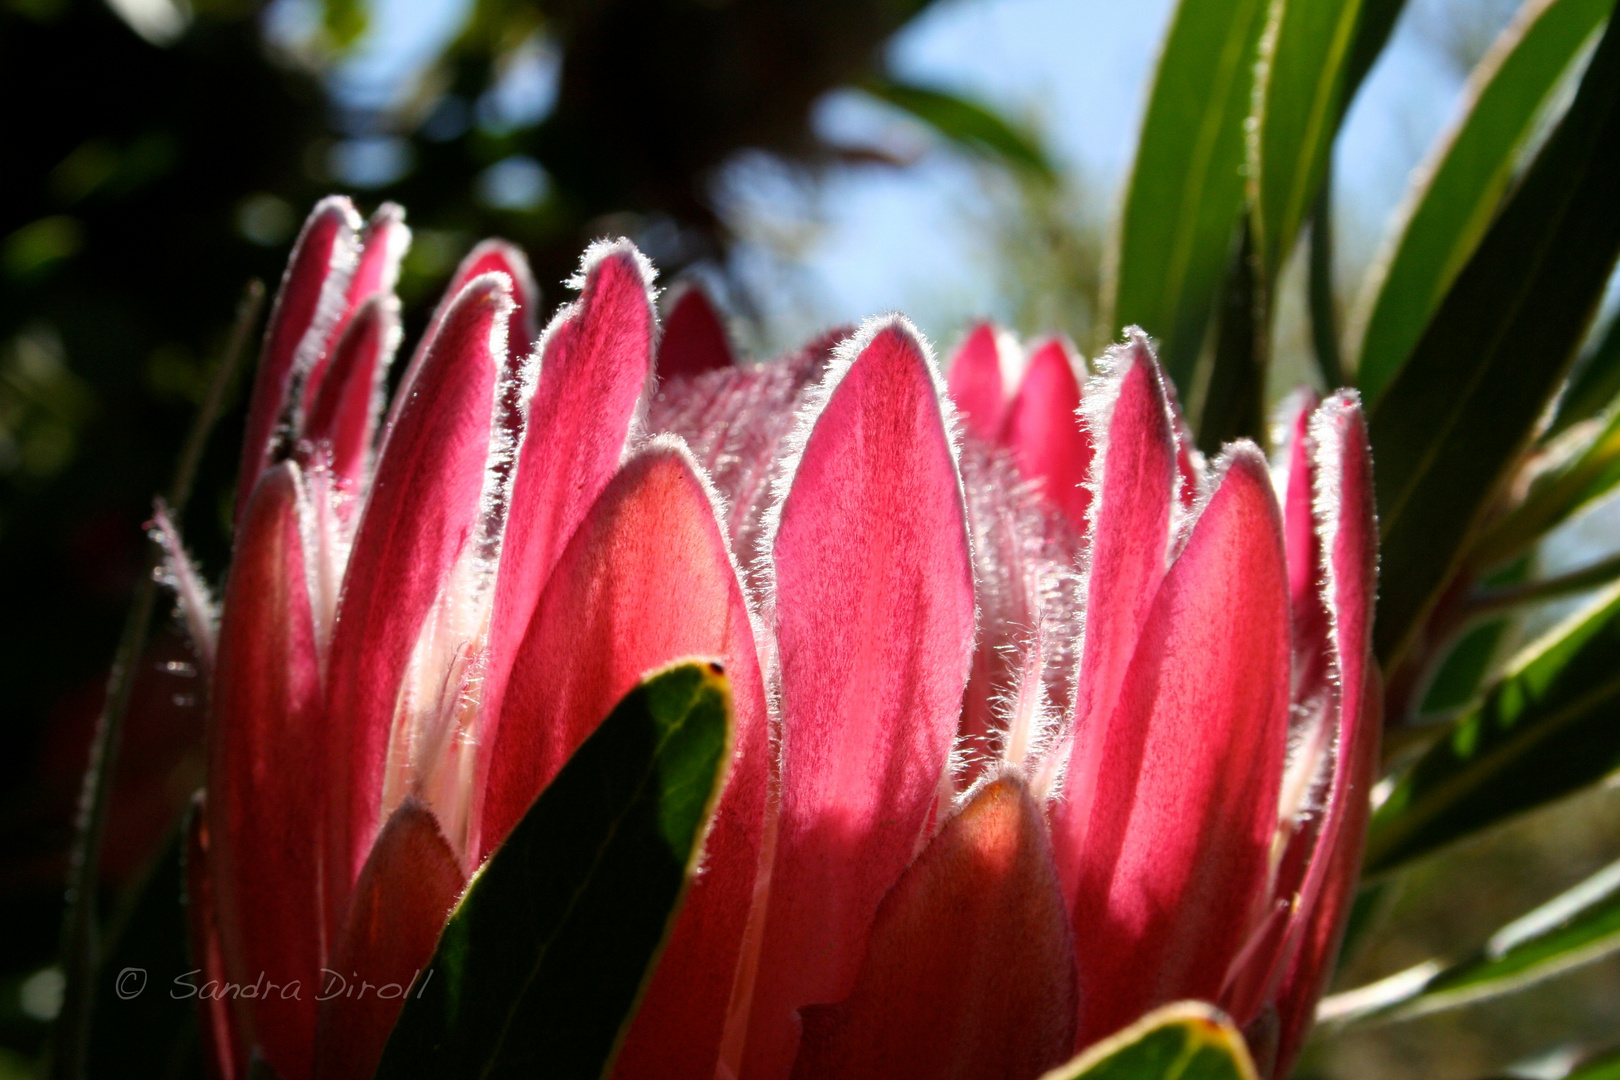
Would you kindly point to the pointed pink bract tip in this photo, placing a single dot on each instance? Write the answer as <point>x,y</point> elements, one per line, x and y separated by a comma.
<point>695,339</point>
<point>976,383</point>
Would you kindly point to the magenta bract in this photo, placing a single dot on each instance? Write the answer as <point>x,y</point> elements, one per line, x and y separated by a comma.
<point>1040,720</point>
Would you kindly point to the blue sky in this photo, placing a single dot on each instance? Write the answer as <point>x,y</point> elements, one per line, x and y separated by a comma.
<point>867,239</point>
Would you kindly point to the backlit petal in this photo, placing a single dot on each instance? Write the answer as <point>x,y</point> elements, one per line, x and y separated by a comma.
<point>976,384</point>
<point>1174,871</point>
<point>595,364</point>
<point>422,511</point>
<point>265,774</point>
<point>969,972</point>
<point>312,298</point>
<point>647,580</point>
<point>1133,482</point>
<point>874,622</point>
<point>694,338</point>
<point>407,888</point>
<point>1044,432</point>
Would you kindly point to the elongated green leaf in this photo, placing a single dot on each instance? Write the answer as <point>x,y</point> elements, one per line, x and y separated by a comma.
<point>1185,1041</point>
<point>541,962</point>
<point>967,123</point>
<point>1457,191</point>
<point>1233,401</point>
<point>1298,100</point>
<point>1186,190</point>
<point>1372,34</point>
<point>1556,496</point>
<point>1465,405</point>
<point>1595,382</point>
<point>1576,928</point>
<point>1475,656</point>
<point>1549,727</point>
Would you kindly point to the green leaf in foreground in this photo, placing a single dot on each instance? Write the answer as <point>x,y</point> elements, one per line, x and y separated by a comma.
<point>967,123</point>
<point>1186,189</point>
<point>542,961</point>
<point>1576,928</point>
<point>1298,101</point>
<point>1548,728</point>
<point>1457,191</point>
<point>1456,418</point>
<point>1185,1041</point>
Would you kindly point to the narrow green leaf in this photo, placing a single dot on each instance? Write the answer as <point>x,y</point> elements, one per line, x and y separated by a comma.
<point>1185,1041</point>
<point>1576,928</point>
<point>1460,412</point>
<point>1232,404</point>
<point>967,123</point>
<point>1556,496</point>
<point>542,961</point>
<point>1457,191</point>
<point>1595,382</point>
<point>1548,728</point>
<point>1298,101</point>
<point>1476,655</point>
<point>1372,34</point>
<point>1319,291</point>
<point>1186,190</point>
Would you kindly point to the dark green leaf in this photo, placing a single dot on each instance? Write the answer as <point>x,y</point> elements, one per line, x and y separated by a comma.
<point>1548,728</point>
<point>1185,1041</point>
<point>1456,418</point>
<point>542,961</point>
<point>1319,292</point>
<point>1298,99</point>
<point>1576,928</point>
<point>139,1029</point>
<point>968,124</point>
<point>1186,189</point>
<point>1595,382</point>
<point>1458,191</point>
<point>1233,400</point>
<point>1372,34</point>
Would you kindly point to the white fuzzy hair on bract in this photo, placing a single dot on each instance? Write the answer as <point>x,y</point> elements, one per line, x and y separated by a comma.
<point>1096,416</point>
<point>329,308</point>
<point>595,254</point>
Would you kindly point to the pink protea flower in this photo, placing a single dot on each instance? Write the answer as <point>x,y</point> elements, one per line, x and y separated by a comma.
<point>1039,721</point>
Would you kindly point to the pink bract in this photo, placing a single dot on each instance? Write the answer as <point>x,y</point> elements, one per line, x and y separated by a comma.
<point>1041,721</point>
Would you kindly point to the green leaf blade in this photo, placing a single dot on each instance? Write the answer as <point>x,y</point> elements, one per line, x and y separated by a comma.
<point>1465,405</point>
<point>1186,190</point>
<point>542,961</point>
<point>968,124</point>
<point>1578,927</point>
<point>1184,1041</point>
<point>1463,183</point>
<point>1548,728</point>
<point>1305,55</point>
